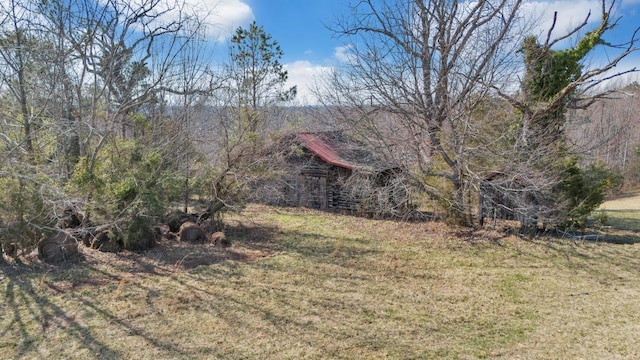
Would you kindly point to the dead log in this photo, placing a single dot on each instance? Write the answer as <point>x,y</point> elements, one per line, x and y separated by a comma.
<point>58,248</point>
<point>106,242</point>
<point>219,239</point>
<point>71,218</point>
<point>192,233</point>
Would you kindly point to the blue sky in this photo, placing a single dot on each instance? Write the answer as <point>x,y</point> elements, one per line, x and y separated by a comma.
<point>299,26</point>
<point>311,50</point>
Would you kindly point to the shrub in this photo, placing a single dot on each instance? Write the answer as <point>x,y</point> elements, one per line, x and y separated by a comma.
<point>584,190</point>
<point>27,200</point>
<point>138,235</point>
<point>126,179</point>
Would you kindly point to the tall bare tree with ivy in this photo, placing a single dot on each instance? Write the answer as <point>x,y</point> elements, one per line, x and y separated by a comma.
<point>415,72</point>
<point>556,80</point>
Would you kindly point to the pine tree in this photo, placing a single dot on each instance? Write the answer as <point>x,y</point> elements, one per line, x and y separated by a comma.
<point>259,76</point>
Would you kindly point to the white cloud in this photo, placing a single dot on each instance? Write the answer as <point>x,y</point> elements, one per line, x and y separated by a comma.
<point>343,53</point>
<point>304,75</point>
<point>617,82</point>
<point>226,16</point>
<point>221,17</point>
<point>570,15</point>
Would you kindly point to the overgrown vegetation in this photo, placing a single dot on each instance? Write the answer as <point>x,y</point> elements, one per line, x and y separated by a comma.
<point>111,119</point>
<point>550,89</point>
<point>422,96</point>
<point>104,123</point>
<point>584,190</point>
<point>123,120</point>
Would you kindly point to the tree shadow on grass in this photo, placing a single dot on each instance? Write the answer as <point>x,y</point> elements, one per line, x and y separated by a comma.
<point>625,195</point>
<point>29,289</point>
<point>627,238</point>
<point>29,314</point>
<point>318,246</point>
<point>311,245</point>
<point>608,236</point>
<point>256,236</point>
<point>605,262</point>
<point>624,219</point>
<point>616,234</point>
<point>607,257</point>
<point>30,292</point>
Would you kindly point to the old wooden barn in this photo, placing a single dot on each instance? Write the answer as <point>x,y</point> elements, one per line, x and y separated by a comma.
<point>333,171</point>
<point>510,195</point>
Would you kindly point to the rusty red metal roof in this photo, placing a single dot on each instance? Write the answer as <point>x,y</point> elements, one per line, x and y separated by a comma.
<point>317,145</point>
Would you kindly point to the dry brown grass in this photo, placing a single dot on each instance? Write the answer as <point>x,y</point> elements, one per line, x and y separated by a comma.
<point>304,284</point>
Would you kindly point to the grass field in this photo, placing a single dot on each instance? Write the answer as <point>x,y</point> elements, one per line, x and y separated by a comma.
<point>302,284</point>
<point>623,211</point>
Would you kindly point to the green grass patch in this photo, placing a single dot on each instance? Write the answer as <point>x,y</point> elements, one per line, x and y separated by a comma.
<point>623,211</point>
<point>305,284</point>
<point>624,219</point>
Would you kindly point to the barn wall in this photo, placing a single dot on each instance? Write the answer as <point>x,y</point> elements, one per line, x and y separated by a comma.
<point>310,182</point>
<point>507,202</point>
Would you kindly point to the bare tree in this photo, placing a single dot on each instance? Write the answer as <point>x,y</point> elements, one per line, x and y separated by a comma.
<point>29,182</point>
<point>21,57</point>
<point>98,70</point>
<point>557,80</point>
<point>424,78</point>
<point>608,132</point>
<point>426,65</point>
